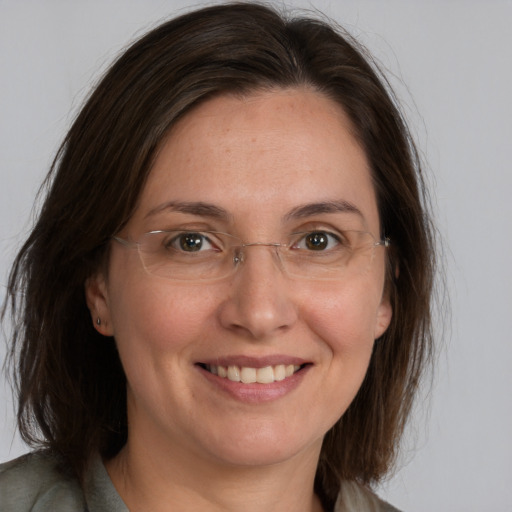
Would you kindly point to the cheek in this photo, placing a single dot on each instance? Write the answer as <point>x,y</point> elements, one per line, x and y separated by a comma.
<point>152,318</point>
<point>344,313</point>
<point>343,321</point>
<point>158,327</point>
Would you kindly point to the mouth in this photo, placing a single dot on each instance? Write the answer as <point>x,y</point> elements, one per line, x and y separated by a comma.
<point>250,375</point>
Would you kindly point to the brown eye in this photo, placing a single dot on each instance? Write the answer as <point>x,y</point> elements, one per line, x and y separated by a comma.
<point>317,241</point>
<point>187,242</point>
<point>191,242</point>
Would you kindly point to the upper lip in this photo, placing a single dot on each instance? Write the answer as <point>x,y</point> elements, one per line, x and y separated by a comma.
<point>254,362</point>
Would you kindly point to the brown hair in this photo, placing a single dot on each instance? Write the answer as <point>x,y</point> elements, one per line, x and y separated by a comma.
<point>70,382</point>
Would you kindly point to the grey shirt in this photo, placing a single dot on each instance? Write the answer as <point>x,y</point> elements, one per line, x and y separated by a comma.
<point>33,483</point>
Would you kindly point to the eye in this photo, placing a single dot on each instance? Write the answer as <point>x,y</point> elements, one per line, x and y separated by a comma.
<point>317,241</point>
<point>189,242</point>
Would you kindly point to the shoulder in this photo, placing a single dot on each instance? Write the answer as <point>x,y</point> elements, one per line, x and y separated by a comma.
<point>354,497</point>
<point>34,482</point>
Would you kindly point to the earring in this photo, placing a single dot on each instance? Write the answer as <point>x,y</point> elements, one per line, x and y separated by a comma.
<point>98,321</point>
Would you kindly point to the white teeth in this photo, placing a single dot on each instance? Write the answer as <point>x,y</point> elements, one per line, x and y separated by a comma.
<point>249,375</point>
<point>265,375</point>
<point>234,373</point>
<point>279,372</point>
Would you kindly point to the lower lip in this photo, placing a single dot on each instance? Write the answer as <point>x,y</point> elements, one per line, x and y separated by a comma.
<point>256,393</point>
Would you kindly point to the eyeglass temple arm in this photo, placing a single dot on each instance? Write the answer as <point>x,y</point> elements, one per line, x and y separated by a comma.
<point>122,241</point>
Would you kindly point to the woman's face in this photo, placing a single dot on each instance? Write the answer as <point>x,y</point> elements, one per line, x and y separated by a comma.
<point>259,167</point>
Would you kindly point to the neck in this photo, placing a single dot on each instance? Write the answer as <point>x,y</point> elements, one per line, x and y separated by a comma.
<point>163,480</point>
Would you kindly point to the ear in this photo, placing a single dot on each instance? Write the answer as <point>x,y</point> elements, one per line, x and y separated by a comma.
<point>96,295</point>
<point>384,315</point>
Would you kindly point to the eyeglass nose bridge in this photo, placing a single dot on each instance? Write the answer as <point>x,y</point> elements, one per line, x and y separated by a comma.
<point>239,255</point>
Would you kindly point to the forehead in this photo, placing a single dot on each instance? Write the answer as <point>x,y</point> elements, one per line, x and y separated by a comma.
<point>267,152</point>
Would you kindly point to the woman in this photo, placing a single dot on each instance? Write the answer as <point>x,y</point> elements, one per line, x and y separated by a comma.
<point>224,303</point>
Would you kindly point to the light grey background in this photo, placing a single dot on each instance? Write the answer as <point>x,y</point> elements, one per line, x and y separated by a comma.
<point>456,59</point>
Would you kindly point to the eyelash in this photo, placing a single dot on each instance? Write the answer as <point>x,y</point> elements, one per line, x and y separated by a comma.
<point>179,237</point>
<point>318,232</point>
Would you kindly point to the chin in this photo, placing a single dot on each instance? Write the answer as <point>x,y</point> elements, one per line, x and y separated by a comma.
<point>262,447</point>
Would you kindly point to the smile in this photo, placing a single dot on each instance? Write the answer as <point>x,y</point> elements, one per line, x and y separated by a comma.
<point>248,375</point>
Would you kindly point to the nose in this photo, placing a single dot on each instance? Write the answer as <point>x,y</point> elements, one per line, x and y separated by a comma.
<point>260,302</point>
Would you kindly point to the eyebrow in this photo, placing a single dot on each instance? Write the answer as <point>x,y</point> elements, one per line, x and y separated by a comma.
<point>198,208</point>
<point>310,209</point>
<point>203,209</point>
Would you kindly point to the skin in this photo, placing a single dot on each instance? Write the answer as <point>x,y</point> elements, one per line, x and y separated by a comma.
<point>190,443</point>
